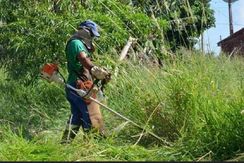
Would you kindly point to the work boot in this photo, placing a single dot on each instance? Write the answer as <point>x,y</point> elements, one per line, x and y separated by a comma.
<point>69,134</point>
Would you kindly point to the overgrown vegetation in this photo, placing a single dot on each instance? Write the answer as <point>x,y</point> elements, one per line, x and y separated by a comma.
<point>35,32</point>
<point>36,35</point>
<point>191,100</point>
<point>195,100</point>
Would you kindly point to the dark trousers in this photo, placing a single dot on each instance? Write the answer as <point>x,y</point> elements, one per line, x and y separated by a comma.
<point>79,110</point>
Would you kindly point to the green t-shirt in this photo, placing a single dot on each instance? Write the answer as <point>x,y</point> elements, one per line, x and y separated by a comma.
<point>73,49</point>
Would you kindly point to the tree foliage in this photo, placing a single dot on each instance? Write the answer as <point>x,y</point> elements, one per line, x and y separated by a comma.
<point>188,18</point>
<point>35,32</point>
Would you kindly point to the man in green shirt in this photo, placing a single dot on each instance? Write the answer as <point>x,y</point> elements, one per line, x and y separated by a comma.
<point>79,49</point>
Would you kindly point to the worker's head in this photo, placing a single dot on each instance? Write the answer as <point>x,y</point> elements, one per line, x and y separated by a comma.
<point>88,30</point>
<point>91,26</point>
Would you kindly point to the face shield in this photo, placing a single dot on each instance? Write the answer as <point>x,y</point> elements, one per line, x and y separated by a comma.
<point>87,37</point>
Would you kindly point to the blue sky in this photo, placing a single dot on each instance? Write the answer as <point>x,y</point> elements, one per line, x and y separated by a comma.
<point>221,13</point>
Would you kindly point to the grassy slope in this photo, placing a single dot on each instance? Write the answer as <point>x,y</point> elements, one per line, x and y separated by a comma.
<point>193,102</point>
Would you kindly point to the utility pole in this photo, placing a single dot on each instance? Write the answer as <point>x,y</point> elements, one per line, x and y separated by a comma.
<point>230,15</point>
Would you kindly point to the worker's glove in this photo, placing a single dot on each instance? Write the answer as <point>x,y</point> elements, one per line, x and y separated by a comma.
<point>99,73</point>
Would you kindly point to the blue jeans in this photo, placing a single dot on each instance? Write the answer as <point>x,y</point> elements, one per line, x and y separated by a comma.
<point>79,110</point>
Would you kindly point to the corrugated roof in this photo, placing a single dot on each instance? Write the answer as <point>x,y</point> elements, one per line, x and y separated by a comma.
<point>234,35</point>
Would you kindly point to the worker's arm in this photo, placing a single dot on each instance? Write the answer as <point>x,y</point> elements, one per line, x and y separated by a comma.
<point>97,72</point>
<point>86,62</point>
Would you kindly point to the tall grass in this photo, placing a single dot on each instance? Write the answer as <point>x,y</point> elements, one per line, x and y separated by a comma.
<point>198,100</point>
<point>193,101</point>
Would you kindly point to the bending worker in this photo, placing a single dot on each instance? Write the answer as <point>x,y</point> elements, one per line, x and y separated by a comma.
<point>82,71</point>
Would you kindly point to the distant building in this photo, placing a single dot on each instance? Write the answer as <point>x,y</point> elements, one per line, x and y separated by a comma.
<point>234,44</point>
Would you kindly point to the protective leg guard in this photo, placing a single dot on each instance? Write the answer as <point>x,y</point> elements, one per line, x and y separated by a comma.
<point>96,118</point>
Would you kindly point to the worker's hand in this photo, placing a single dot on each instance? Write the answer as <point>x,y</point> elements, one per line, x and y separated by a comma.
<point>99,73</point>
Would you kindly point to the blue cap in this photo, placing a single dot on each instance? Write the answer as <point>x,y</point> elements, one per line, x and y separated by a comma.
<point>92,25</point>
